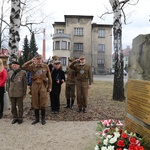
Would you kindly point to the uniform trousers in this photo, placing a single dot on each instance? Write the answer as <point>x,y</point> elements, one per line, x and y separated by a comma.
<point>17,101</point>
<point>70,91</point>
<point>82,93</point>
<point>39,95</point>
<point>2,89</point>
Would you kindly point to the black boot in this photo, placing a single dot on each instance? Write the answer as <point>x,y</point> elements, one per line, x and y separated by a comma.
<point>72,103</point>
<point>43,116</point>
<point>36,116</point>
<point>68,103</point>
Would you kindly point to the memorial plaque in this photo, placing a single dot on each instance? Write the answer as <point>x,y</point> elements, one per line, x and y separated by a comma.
<point>133,126</point>
<point>138,99</point>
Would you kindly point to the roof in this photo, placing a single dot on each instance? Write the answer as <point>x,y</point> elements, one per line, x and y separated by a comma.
<point>78,16</point>
<point>126,52</point>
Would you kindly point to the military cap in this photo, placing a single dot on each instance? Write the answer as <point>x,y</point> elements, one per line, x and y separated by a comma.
<point>38,56</point>
<point>71,59</point>
<point>54,57</point>
<point>57,61</point>
<point>15,62</point>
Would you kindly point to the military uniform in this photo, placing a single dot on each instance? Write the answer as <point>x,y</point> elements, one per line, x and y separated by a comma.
<point>83,80</point>
<point>70,85</point>
<point>41,80</point>
<point>17,88</point>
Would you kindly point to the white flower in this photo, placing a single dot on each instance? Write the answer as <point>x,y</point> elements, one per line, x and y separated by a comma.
<point>104,148</point>
<point>105,142</point>
<point>113,140</point>
<point>96,148</point>
<point>110,148</point>
<point>116,134</point>
<point>109,136</point>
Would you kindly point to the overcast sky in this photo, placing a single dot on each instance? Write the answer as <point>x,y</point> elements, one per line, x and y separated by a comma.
<point>138,16</point>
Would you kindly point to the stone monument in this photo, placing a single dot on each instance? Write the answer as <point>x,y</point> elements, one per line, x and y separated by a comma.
<point>138,88</point>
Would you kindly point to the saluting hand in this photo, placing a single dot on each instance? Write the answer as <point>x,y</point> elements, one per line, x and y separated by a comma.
<point>49,90</point>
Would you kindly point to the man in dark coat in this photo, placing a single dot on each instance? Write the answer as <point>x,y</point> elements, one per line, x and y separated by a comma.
<point>58,78</point>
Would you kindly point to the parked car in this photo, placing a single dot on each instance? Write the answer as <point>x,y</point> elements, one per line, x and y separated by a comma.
<point>124,72</point>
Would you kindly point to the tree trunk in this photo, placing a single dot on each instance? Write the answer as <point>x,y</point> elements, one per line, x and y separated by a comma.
<point>14,30</point>
<point>118,88</point>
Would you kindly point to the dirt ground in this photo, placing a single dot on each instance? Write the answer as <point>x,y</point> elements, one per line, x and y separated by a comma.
<point>68,130</point>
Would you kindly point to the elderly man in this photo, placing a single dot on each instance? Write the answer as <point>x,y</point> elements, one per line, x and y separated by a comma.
<point>83,81</point>
<point>17,86</point>
<point>41,83</point>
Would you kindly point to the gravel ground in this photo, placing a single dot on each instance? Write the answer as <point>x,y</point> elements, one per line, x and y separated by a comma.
<point>70,135</point>
<point>68,130</point>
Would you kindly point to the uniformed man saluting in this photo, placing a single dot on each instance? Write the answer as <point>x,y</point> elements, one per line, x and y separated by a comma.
<point>83,81</point>
<point>41,83</point>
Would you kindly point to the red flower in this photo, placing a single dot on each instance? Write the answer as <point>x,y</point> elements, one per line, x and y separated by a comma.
<point>99,142</point>
<point>124,135</point>
<point>119,149</point>
<point>120,143</point>
<point>132,147</point>
<point>132,140</point>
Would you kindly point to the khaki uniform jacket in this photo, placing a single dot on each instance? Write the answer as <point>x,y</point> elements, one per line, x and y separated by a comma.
<point>71,76</point>
<point>17,88</point>
<point>83,72</point>
<point>45,75</point>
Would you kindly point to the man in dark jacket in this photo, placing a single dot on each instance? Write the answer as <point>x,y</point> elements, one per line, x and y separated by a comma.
<point>58,78</point>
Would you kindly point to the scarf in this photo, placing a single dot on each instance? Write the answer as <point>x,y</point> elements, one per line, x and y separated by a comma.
<point>14,74</point>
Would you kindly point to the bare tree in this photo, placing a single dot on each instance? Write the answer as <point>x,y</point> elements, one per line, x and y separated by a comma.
<point>23,14</point>
<point>3,24</point>
<point>14,36</point>
<point>118,88</point>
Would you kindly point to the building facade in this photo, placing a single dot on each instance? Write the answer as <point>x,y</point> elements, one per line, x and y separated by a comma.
<point>126,54</point>
<point>79,36</point>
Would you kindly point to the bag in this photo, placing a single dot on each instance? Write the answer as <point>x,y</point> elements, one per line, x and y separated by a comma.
<point>6,101</point>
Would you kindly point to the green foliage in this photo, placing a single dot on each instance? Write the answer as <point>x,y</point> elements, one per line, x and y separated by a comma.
<point>29,49</point>
<point>26,51</point>
<point>33,46</point>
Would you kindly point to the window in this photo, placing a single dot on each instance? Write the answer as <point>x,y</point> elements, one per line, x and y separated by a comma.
<point>101,33</point>
<point>63,61</point>
<point>64,45</point>
<point>78,46</point>
<point>60,30</point>
<point>101,48</point>
<point>68,45</point>
<point>57,45</point>
<point>78,31</point>
<point>100,63</point>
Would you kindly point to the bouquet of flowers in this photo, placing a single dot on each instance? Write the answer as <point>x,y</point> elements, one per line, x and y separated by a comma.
<point>113,137</point>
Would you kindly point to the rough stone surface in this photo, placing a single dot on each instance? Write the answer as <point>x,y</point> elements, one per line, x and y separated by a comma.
<point>139,62</point>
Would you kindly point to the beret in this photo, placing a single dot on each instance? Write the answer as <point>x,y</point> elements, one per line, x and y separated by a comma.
<point>15,62</point>
<point>71,59</point>
<point>38,56</point>
<point>82,57</point>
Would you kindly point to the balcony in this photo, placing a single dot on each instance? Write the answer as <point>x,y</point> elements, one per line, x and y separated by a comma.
<point>61,35</point>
